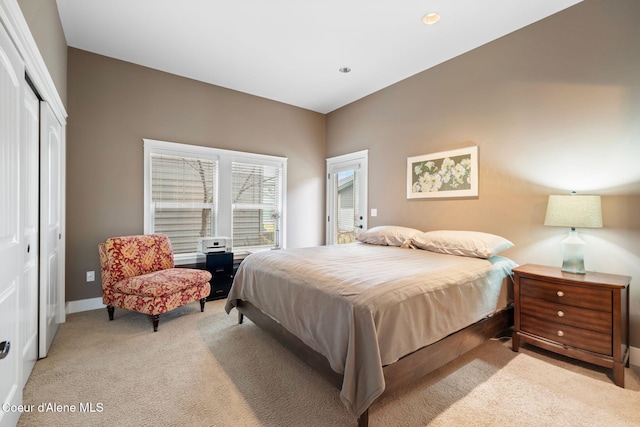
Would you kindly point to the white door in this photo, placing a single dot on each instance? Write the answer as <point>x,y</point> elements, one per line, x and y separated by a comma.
<point>28,290</point>
<point>11,246</point>
<point>346,197</point>
<point>51,228</point>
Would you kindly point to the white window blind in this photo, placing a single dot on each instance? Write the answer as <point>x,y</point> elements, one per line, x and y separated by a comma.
<point>183,199</point>
<point>256,204</point>
<point>194,191</point>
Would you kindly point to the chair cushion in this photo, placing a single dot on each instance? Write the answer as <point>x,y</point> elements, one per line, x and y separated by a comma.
<point>155,305</point>
<point>163,282</point>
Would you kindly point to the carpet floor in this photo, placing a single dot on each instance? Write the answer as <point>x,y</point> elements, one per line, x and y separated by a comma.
<point>203,369</point>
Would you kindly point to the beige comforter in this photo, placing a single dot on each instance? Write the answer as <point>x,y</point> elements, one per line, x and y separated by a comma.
<point>365,306</point>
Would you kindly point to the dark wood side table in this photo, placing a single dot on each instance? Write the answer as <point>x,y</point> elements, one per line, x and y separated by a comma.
<point>583,316</point>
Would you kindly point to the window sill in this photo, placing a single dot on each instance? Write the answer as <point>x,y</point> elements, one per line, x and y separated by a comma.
<point>189,259</point>
<point>198,257</point>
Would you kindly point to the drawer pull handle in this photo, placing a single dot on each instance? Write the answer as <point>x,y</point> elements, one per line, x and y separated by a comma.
<point>560,333</point>
<point>560,293</point>
<point>560,313</point>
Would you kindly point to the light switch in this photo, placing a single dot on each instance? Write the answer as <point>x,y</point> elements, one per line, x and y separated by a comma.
<point>374,212</point>
<point>91,276</point>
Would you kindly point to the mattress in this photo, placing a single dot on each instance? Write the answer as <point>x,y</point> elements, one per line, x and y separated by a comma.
<point>365,306</point>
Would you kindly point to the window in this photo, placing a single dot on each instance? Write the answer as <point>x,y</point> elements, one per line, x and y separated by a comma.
<point>256,205</point>
<point>183,199</point>
<point>193,192</point>
<point>346,206</point>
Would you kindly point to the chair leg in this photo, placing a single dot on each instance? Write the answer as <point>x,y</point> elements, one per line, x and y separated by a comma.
<point>110,310</point>
<point>202,301</point>
<point>156,320</point>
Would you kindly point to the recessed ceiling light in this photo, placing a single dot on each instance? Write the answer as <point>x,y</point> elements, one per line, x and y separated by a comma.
<point>345,70</point>
<point>431,18</point>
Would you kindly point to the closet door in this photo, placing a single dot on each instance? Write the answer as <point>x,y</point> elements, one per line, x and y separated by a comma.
<point>11,246</point>
<point>28,290</point>
<point>51,227</point>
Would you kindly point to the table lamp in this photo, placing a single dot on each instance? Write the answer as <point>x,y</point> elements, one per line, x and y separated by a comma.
<point>574,211</point>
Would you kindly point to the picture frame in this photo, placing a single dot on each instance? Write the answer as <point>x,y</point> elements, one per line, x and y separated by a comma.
<point>446,174</point>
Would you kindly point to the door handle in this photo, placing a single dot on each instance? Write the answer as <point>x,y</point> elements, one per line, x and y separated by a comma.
<point>5,346</point>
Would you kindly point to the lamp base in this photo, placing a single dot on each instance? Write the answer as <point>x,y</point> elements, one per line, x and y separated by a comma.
<point>573,253</point>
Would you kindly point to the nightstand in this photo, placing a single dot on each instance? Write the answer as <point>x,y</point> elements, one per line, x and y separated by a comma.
<point>583,316</point>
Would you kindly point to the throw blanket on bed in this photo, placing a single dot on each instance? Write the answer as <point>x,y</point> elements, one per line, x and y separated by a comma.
<point>365,306</point>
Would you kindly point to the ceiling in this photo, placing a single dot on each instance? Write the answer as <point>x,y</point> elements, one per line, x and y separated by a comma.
<point>290,50</point>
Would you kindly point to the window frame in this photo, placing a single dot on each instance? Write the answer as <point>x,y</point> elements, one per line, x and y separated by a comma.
<point>224,192</point>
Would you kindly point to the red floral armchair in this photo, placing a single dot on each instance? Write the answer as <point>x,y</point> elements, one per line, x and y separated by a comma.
<point>138,274</point>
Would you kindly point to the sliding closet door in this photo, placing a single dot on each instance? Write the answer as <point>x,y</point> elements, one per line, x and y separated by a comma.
<point>51,227</point>
<point>28,290</point>
<point>11,246</point>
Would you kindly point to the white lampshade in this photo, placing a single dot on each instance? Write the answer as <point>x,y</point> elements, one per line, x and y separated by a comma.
<point>574,211</point>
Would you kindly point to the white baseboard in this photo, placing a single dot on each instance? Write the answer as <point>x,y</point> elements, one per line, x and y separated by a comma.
<point>84,305</point>
<point>634,356</point>
<point>96,303</point>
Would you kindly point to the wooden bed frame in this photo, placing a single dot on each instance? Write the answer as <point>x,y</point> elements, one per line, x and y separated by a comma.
<point>397,375</point>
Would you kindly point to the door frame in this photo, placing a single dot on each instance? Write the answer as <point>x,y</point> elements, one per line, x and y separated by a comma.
<point>16,26</point>
<point>359,159</point>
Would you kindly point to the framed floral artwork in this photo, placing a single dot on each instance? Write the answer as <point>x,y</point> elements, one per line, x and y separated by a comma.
<point>451,173</point>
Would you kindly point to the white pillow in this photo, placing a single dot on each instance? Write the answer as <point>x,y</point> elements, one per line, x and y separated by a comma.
<point>464,243</point>
<point>388,235</point>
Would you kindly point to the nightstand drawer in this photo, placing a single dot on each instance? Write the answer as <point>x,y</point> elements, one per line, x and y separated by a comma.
<point>593,320</point>
<point>575,337</point>
<point>594,299</point>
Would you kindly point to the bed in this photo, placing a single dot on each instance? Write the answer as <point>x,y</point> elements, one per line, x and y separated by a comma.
<point>374,317</point>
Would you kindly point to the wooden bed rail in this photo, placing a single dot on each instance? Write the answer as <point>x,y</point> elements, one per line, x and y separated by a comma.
<point>397,375</point>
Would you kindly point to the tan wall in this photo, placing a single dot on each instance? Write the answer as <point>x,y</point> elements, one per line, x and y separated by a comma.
<point>113,105</point>
<point>45,26</point>
<point>553,107</point>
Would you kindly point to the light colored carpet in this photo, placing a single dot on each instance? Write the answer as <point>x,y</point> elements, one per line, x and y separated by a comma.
<point>203,369</point>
